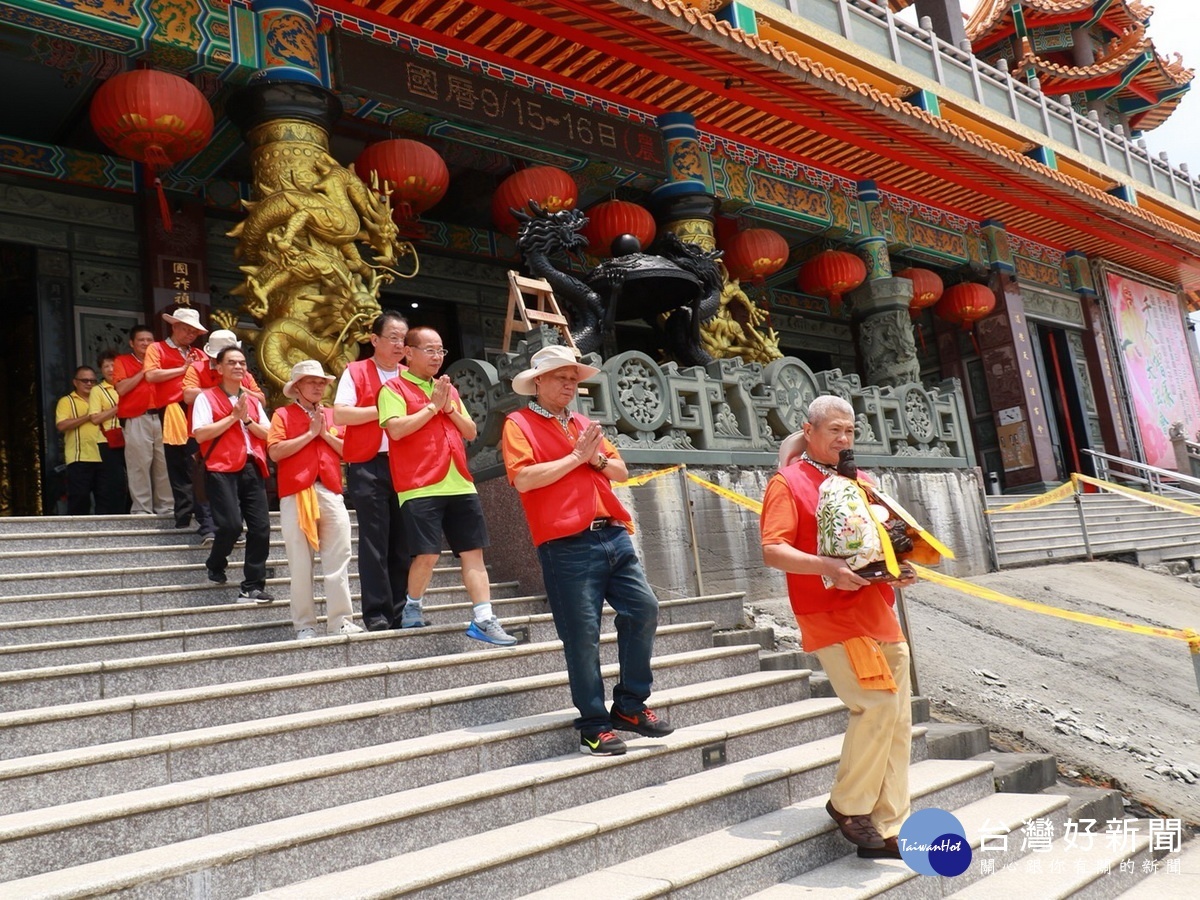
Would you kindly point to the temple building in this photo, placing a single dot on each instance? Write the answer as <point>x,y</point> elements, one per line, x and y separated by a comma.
<point>951,223</point>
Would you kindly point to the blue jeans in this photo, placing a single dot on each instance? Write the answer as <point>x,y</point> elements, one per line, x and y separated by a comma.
<point>581,572</point>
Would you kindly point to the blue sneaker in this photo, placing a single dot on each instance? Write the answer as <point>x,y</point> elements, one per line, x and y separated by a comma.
<point>490,632</point>
<point>410,616</point>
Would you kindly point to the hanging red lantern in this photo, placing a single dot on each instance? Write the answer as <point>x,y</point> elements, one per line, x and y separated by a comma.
<point>927,288</point>
<point>415,173</point>
<point>965,304</point>
<point>153,117</point>
<point>613,218</point>
<point>831,274</point>
<point>551,189</point>
<point>755,253</point>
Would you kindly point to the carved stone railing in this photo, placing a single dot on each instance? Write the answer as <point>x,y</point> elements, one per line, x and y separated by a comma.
<point>725,413</point>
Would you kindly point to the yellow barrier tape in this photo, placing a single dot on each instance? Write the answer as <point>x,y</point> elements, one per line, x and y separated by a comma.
<point>1063,490</point>
<point>983,593</point>
<point>639,480</point>
<point>752,505</point>
<point>1152,499</point>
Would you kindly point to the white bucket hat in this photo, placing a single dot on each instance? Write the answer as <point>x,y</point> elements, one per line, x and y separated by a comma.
<point>547,360</point>
<point>306,368</point>
<point>185,315</point>
<point>219,340</point>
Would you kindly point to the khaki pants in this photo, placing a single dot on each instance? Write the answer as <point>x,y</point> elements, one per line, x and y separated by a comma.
<point>333,534</point>
<point>146,467</point>
<point>872,777</point>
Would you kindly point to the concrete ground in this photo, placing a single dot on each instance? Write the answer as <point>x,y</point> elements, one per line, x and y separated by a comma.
<point>1116,708</point>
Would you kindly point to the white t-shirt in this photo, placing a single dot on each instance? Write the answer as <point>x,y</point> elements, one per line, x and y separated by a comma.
<point>347,394</point>
<point>202,415</point>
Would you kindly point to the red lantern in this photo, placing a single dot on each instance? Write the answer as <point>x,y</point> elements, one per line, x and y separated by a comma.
<point>613,218</point>
<point>831,274</point>
<point>551,189</point>
<point>416,174</point>
<point>927,288</point>
<point>755,253</point>
<point>153,117</point>
<point>965,304</point>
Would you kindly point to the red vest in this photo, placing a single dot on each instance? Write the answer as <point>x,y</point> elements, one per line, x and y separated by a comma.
<point>361,442</point>
<point>227,451</point>
<point>314,460</point>
<point>171,390</point>
<point>808,593</point>
<point>141,398</point>
<point>567,506</point>
<point>423,457</point>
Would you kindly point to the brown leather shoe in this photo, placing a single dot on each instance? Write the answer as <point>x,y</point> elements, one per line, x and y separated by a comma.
<point>889,850</point>
<point>858,830</point>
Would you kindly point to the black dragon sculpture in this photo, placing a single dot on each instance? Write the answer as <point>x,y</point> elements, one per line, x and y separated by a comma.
<point>675,288</point>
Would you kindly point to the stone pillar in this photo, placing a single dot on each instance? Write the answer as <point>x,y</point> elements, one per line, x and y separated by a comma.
<point>947,19</point>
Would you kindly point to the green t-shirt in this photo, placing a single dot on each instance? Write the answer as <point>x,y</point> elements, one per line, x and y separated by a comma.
<point>391,405</point>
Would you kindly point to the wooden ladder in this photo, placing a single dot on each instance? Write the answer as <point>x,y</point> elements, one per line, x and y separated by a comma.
<point>542,309</point>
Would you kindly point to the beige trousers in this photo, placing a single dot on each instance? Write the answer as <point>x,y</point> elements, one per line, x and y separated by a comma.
<point>333,535</point>
<point>146,467</point>
<point>872,777</point>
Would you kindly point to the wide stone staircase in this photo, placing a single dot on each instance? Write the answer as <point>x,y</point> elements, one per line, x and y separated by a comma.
<point>158,739</point>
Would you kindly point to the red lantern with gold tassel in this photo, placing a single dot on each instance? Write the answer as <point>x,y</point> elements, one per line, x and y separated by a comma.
<point>416,175</point>
<point>755,253</point>
<point>550,188</point>
<point>613,218</point>
<point>831,274</point>
<point>927,290</point>
<point>965,304</point>
<point>155,118</point>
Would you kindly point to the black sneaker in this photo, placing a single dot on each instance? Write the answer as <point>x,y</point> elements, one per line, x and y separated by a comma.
<point>605,743</point>
<point>645,723</point>
<point>257,596</point>
<point>216,577</point>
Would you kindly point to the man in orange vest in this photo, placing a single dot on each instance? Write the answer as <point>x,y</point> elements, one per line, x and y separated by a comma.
<point>306,447</point>
<point>854,632</point>
<point>382,557</point>
<point>428,427</point>
<point>145,462</point>
<point>232,430</point>
<point>563,467</point>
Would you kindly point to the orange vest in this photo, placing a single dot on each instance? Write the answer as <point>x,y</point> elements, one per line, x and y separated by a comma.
<point>423,458</point>
<point>567,506</point>
<point>141,398</point>
<point>808,593</point>
<point>361,442</point>
<point>171,390</point>
<point>314,460</point>
<point>227,451</point>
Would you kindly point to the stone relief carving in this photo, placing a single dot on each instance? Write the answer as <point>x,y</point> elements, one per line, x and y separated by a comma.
<point>65,208</point>
<point>889,354</point>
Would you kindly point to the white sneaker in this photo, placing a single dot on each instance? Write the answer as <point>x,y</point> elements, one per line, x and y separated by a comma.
<point>306,634</point>
<point>349,627</point>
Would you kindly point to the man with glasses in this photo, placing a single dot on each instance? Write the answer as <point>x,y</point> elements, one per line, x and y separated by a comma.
<point>382,556</point>
<point>428,426</point>
<point>73,419</point>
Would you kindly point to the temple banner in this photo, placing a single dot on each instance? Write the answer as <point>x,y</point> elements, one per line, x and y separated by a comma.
<point>1158,368</point>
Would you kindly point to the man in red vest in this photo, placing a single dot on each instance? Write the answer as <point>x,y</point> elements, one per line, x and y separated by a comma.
<point>563,467</point>
<point>232,430</point>
<point>145,463</point>
<point>428,427</point>
<point>307,448</point>
<point>853,630</point>
<point>382,556</point>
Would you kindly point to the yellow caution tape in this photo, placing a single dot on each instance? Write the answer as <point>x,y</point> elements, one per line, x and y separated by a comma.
<point>907,517</point>
<point>1145,497</point>
<point>975,590</point>
<point>638,480</point>
<point>1063,490</point>
<point>739,499</point>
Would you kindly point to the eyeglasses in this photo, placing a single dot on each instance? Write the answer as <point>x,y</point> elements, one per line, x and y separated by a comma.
<point>432,351</point>
<point>86,380</point>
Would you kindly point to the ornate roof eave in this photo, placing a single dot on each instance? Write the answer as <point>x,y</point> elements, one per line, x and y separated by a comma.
<point>993,17</point>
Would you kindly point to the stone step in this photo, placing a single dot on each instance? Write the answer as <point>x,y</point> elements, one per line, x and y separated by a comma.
<point>22,527</point>
<point>101,560</point>
<point>46,729</point>
<point>681,830</point>
<point>96,680</point>
<point>116,535</point>
<point>1044,527</point>
<point>1021,773</point>
<point>462,822</point>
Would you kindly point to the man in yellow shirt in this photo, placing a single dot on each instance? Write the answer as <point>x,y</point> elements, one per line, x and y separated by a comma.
<point>73,419</point>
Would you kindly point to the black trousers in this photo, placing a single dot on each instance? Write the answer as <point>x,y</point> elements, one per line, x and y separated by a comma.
<point>112,494</point>
<point>83,480</point>
<point>383,558</point>
<point>181,472</point>
<point>235,496</point>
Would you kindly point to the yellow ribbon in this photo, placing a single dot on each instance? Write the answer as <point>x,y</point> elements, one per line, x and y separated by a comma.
<point>1063,490</point>
<point>638,480</point>
<point>175,429</point>
<point>1180,506</point>
<point>308,512</point>
<point>741,500</point>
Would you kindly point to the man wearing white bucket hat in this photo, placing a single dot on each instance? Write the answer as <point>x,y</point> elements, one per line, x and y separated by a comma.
<point>307,449</point>
<point>201,374</point>
<point>563,467</point>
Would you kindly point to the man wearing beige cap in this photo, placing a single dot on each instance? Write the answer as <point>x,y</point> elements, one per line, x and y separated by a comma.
<point>306,446</point>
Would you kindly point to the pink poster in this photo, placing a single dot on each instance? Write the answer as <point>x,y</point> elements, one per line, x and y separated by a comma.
<point>1154,348</point>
